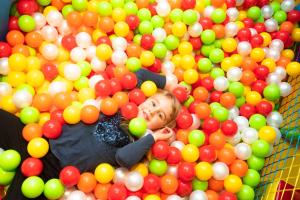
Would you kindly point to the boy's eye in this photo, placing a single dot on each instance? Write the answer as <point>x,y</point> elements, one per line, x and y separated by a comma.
<point>160,116</point>
<point>153,104</point>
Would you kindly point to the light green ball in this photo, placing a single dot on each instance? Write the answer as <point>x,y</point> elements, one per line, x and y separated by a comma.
<point>158,167</point>
<point>206,49</point>
<point>246,193</point>
<point>133,64</point>
<point>130,8</point>
<point>260,148</point>
<point>29,115</point>
<point>145,27</point>
<point>32,187</point>
<point>144,14</point>
<point>159,50</point>
<point>80,5</point>
<point>54,189</point>
<point>254,13</point>
<point>117,3</point>
<point>44,2</point>
<point>257,121</point>
<point>10,160</point>
<point>220,114</point>
<point>137,126</point>
<point>82,82</point>
<point>6,177</point>
<point>252,178</point>
<point>104,9</point>
<point>217,72</point>
<point>189,16</point>
<point>176,15</point>
<point>272,92</point>
<point>208,36</point>
<point>172,42</point>
<point>255,162</point>
<point>26,23</point>
<point>67,9</point>
<point>218,15</point>
<point>216,55</point>
<point>236,88</point>
<point>205,65</point>
<point>196,137</point>
<point>85,68</point>
<point>199,185</point>
<point>157,21</point>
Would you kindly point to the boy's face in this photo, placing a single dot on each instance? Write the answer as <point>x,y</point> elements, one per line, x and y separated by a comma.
<point>157,111</point>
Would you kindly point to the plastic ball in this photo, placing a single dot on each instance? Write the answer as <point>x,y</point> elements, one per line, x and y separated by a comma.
<point>220,170</point>
<point>257,121</point>
<point>229,128</point>
<point>149,88</point>
<point>22,99</point>
<point>242,151</point>
<point>152,197</point>
<point>293,69</point>
<point>232,183</point>
<point>218,15</point>
<point>29,115</point>
<point>69,176</point>
<point>274,119</point>
<point>221,114</point>
<point>134,181</point>
<point>204,171</point>
<point>260,148</point>
<point>169,184</point>
<point>137,126</point>
<point>196,137</point>
<point>185,171</point>
<point>10,160</point>
<point>252,178</point>
<point>76,195</point>
<point>244,48</point>
<point>53,189</point>
<point>151,184</point>
<point>246,192</point>
<point>120,175</point>
<point>38,147</point>
<point>32,187</point>
<point>249,135</point>
<point>267,133</point>
<point>221,83</point>
<point>198,195</point>
<point>6,177</point>
<point>158,167</point>
<point>190,153</point>
<point>256,163</point>
<point>26,23</point>
<point>31,167</point>
<point>184,120</point>
<point>104,173</point>
<point>285,89</point>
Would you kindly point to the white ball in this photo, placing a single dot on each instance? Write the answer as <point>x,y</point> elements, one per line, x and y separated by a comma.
<point>220,170</point>
<point>178,144</point>
<point>273,79</point>
<point>4,66</point>
<point>49,51</point>
<point>288,5</point>
<point>242,122</point>
<point>172,79</point>
<point>234,139</point>
<point>159,34</point>
<point>242,151</point>
<point>83,39</point>
<point>195,30</point>
<point>278,135</point>
<point>267,11</point>
<point>196,122</point>
<point>22,98</point>
<point>39,19</point>
<point>95,79</point>
<point>54,18</point>
<point>172,170</point>
<point>134,181</point>
<point>5,89</point>
<point>232,13</point>
<point>98,65</point>
<point>221,83</point>
<point>198,195</point>
<point>64,28</point>
<point>273,54</point>
<point>163,8</point>
<point>90,196</point>
<point>90,52</point>
<point>78,54</point>
<point>77,195</point>
<point>231,29</point>
<point>120,175</point>
<point>277,44</point>
<point>133,198</point>
<point>244,48</point>
<point>281,72</point>
<point>249,135</point>
<point>92,102</point>
<point>208,10</point>
<point>49,33</point>
<point>271,25</point>
<point>167,67</point>
<point>233,112</point>
<point>174,197</point>
<point>234,74</point>
<point>285,89</point>
<point>253,31</point>
<point>72,72</point>
<point>274,119</point>
<point>119,58</point>
<point>119,43</point>
<point>56,87</point>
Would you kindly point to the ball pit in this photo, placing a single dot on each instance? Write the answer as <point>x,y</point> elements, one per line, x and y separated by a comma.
<point>66,61</point>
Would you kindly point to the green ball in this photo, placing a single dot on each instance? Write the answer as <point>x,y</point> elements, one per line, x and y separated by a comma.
<point>189,17</point>
<point>205,65</point>
<point>85,68</point>
<point>240,101</point>
<point>44,2</point>
<point>133,64</point>
<point>260,148</point>
<point>67,9</point>
<point>206,49</point>
<point>80,5</point>
<point>32,187</point>
<point>199,185</point>
<point>158,167</point>
<point>157,21</point>
<point>29,115</point>
<point>137,126</point>
<point>236,88</point>
<point>256,162</point>
<point>144,14</point>
<point>215,105</point>
<point>104,8</point>
<point>189,100</point>
<point>6,177</point>
<point>217,72</point>
<point>130,8</point>
<point>220,113</point>
<point>54,189</point>
<point>246,193</point>
<point>208,36</point>
<point>9,160</point>
<point>254,13</point>
<point>252,178</point>
<point>276,6</point>
<point>159,50</point>
<point>196,137</point>
<point>218,43</point>
<point>218,15</point>
<point>145,27</point>
<point>117,3</point>
<point>216,55</point>
<point>272,92</point>
<point>27,88</point>
<point>176,15</point>
<point>26,23</point>
<point>137,39</point>
<point>172,42</point>
<point>257,121</point>
<point>82,82</point>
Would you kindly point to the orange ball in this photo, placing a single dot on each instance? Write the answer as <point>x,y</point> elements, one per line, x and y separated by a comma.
<point>179,74</point>
<point>34,39</point>
<point>89,114</point>
<point>212,195</point>
<point>90,19</point>
<point>169,184</point>
<point>248,77</point>
<point>109,106</point>
<point>43,102</point>
<point>239,168</point>
<point>175,3</point>
<point>106,24</point>
<point>219,31</point>
<point>200,93</point>
<point>283,61</point>
<point>59,4</point>
<point>227,99</point>
<point>202,110</point>
<point>20,48</point>
<point>217,139</point>
<point>248,64</point>
<point>121,98</point>
<point>182,135</point>
<point>168,28</point>
<point>142,3</point>
<point>215,185</point>
<point>15,37</point>
<point>217,3</point>
<point>226,155</point>
<point>73,95</point>
<point>62,100</point>
<point>120,71</point>
<point>74,19</point>
<point>133,50</point>
<point>87,182</point>
<point>31,131</point>
<point>101,191</point>
<point>287,26</point>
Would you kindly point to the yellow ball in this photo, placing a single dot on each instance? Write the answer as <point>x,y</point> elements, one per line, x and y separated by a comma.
<point>266,38</point>
<point>242,15</point>
<point>141,168</point>
<point>6,103</point>
<point>17,62</point>
<point>63,55</point>
<point>15,78</point>
<point>104,173</point>
<point>227,63</point>
<point>152,197</point>
<point>253,97</point>
<point>296,34</point>
<point>288,53</point>
<point>72,114</point>
<point>179,29</point>
<point>50,8</point>
<point>247,89</point>
<point>185,48</point>
<point>187,62</point>
<point>190,153</point>
<point>33,63</point>
<point>35,78</point>
<point>293,69</point>
<point>267,133</point>
<point>229,45</point>
<point>147,58</point>
<point>38,147</point>
<point>121,29</point>
<point>190,76</point>
<point>200,5</point>
<point>44,117</point>
<point>93,6</point>
<point>269,63</point>
<point>176,60</point>
<point>85,94</point>
<point>233,183</point>
<point>96,34</point>
<point>103,52</point>
<point>118,14</point>
<point>257,54</point>
<point>238,59</point>
<point>203,171</point>
<point>149,88</point>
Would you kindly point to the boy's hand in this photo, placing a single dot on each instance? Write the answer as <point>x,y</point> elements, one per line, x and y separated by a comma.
<point>163,134</point>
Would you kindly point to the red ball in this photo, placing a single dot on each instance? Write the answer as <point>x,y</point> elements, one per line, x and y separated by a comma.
<point>264,108</point>
<point>259,86</point>
<point>52,129</point>
<point>57,115</point>
<point>129,110</point>
<point>174,156</point>
<point>27,7</point>
<point>184,120</point>
<point>103,40</point>
<point>50,71</point>
<point>68,42</point>
<point>186,171</point>
<point>147,41</point>
<point>151,184</point>
<point>117,192</point>
<point>261,72</point>
<point>262,3</point>
<point>244,34</point>
<point>156,66</point>
<point>248,23</point>
<point>133,21</point>
<point>256,41</point>
<point>206,23</point>
<point>208,83</point>
<point>5,49</point>
<point>196,43</point>
<point>136,96</point>
<point>103,88</point>
<point>294,16</point>
<point>115,85</point>
<point>210,125</point>
<point>69,176</point>
<point>192,107</point>
<point>32,167</point>
<point>188,4</point>
<point>227,196</point>
<point>249,3</point>
<point>180,93</point>
<point>129,81</point>
<point>160,150</point>
<point>152,8</point>
<point>13,23</point>
<point>215,96</point>
<point>260,27</point>
<point>184,188</point>
<point>229,128</point>
<point>230,3</point>
<point>247,110</point>
<point>208,153</point>
<point>282,35</point>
